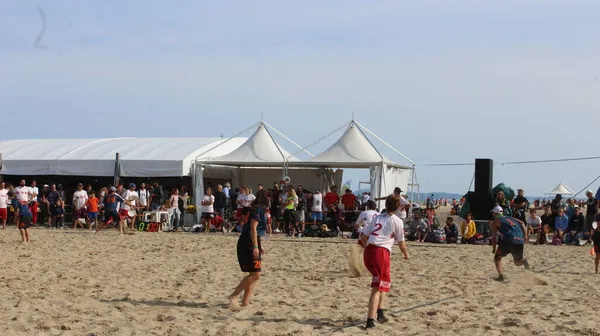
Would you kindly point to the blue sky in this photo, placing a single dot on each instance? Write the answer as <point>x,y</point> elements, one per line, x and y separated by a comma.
<point>442,81</point>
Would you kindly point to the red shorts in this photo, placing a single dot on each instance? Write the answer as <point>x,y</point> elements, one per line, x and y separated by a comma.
<point>123,213</point>
<point>3,213</point>
<point>238,213</point>
<point>377,261</point>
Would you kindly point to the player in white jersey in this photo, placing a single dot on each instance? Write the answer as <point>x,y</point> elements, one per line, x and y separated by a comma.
<point>366,217</point>
<point>379,237</point>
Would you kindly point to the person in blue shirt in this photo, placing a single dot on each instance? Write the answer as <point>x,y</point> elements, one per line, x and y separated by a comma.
<point>511,240</point>
<point>110,203</point>
<point>250,249</point>
<point>561,224</point>
<point>22,217</point>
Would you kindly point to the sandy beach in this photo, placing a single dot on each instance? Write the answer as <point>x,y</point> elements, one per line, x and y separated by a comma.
<point>68,283</point>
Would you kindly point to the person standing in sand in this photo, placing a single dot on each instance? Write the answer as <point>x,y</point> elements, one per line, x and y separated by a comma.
<point>379,237</point>
<point>250,250</point>
<point>3,205</point>
<point>22,216</point>
<point>596,241</point>
<point>110,203</point>
<point>513,235</point>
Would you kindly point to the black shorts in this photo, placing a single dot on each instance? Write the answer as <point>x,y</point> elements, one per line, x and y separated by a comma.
<point>502,250</point>
<point>289,216</point>
<point>596,249</point>
<point>24,222</point>
<point>111,215</point>
<point>208,215</point>
<point>244,254</point>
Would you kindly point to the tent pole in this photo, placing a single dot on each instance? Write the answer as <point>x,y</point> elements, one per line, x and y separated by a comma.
<point>222,143</point>
<point>412,187</point>
<point>117,170</point>
<point>363,133</point>
<point>264,124</point>
<point>383,142</point>
<point>288,139</point>
<point>319,140</point>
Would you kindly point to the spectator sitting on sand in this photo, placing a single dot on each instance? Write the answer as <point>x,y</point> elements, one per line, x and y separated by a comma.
<point>468,230</point>
<point>534,225</point>
<point>418,228</point>
<point>561,224</point>
<point>575,230</point>
<point>451,231</point>
<point>548,219</point>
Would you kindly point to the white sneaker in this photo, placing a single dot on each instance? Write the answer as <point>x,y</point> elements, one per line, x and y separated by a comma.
<point>277,231</point>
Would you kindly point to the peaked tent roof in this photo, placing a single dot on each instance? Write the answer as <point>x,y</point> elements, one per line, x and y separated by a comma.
<point>351,150</point>
<point>560,189</point>
<point>259,150</point>
<point>147,157</point>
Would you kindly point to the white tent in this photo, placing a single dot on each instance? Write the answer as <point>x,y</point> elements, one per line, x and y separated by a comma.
<point>354,150</point>
<point>260,159</point>
<point>259,150</point>
<point>138,157</point>
<point>560,189</point>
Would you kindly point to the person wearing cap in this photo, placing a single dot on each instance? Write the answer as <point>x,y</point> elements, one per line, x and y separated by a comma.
<point>403,208</point>
<point>110,202</point>
<point>512,238</point>
<point>128,212</point>
<point>80,198</point>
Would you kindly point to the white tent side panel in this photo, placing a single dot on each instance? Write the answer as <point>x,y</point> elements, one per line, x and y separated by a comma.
<point>391,178</point>
<point>62,167</point>
<point>143,157</point>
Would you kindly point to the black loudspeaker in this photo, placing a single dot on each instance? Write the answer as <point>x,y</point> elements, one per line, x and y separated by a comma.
<point>484,176</point>
<point>480,205</point>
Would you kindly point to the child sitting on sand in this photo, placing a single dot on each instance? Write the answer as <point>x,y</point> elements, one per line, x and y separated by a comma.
<point>534,225</point>
<point>596,241</point>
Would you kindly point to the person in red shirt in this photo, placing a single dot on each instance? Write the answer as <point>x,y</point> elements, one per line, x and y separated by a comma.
<point>349,200</point>
<point>92,209</point>
<point>331,199</point>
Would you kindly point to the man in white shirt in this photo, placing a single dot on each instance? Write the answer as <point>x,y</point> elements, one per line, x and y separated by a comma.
<point>366,217</point>
<point>3,205</point>
<point>144,196</point>
<point>80,198</point>
<point>128,212</point>
<point>379,237</point>
<point>316,209</point>
<point>33,205</point>
<point>208,209</point>
<point>23,192</point>
<point>404,206</point>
